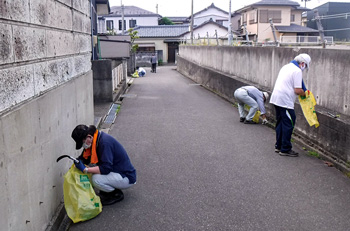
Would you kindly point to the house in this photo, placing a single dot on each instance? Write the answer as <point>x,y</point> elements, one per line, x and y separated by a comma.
<point>286,17</point>
<point>162,39</point>
<point>209,29</point>
<point>133,17</point>
<point>211,12</point>
<point>179,20</point>
<point>338,24</point>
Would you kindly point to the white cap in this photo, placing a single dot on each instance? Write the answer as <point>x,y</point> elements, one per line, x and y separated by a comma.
<point>266,95</point>
<point>303,58</point>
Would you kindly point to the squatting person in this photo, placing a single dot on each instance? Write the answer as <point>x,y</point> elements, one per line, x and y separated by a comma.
<point>107,160</point>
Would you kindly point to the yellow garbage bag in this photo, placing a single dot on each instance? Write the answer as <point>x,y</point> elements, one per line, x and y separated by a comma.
<point>80,201</point>
<point>135,75</point>
<point>256,116</point>
<point>307,104</point>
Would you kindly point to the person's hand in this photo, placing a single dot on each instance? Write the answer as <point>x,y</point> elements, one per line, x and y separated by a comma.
<point>80,166</point>
<point>264,121</point>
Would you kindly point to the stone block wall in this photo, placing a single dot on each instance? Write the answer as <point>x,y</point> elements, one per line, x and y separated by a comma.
<point>46,89</point>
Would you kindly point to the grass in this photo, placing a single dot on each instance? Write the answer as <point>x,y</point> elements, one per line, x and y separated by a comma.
<point>348,174</point>
<point>313,153</point>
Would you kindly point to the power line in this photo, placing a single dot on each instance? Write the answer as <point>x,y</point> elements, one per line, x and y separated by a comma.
<point>338,29</point>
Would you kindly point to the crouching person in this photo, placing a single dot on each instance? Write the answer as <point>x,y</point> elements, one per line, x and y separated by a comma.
<point>106,160</point>
<point>254,98</point>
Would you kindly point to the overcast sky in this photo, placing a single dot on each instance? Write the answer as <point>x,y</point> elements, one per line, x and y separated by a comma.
<point>183,7</point>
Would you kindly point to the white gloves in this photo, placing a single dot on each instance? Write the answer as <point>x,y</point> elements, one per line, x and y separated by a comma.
<point>264,121</point>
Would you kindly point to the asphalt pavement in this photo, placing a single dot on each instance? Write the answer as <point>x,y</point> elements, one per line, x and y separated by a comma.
<point>199,168</point>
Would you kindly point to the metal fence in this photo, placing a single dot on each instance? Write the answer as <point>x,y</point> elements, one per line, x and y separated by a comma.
<point>312,40</point>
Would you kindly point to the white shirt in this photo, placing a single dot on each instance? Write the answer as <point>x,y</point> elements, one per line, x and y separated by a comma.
<point>141,69</point>
<point>289,78</point>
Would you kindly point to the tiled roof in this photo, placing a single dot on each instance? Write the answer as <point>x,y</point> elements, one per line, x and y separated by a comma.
<point>294,4</point>
<point>131,11</point>
<point>178,19</point>
<point>162,31</point>
<point>294,28</point>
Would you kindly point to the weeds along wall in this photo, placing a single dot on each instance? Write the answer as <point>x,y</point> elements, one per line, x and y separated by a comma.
<point>223,69</point>
<point>45,91</point>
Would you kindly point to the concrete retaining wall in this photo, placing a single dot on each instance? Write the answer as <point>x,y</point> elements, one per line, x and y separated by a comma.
<point>224,69</point>
<point>45,91</point>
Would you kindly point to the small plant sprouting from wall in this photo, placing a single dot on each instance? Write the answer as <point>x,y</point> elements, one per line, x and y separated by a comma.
<point>313,153</point>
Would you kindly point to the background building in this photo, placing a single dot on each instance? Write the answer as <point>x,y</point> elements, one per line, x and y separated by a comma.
<point>335,19</point>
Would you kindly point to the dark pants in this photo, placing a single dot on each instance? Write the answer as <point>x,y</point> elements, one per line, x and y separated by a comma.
<point>154,67</point>
<point>284,128</point>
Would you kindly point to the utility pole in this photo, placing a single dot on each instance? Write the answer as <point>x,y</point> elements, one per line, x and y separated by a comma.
<point>273,31</point>
<point>229,27</point>
<point>122,18</point>
<point>192,23</point>
<point>208,37</point>
<point>320,28</point>
<point>157,8</point>
<point>305,1</point>
<point>216,34</point>
<point>246,33</point>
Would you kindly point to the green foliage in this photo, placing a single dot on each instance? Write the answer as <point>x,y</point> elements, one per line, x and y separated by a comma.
<point>165,21</point>
<point>314,153</point>
<point>133,35</point>
<point>111,32</point>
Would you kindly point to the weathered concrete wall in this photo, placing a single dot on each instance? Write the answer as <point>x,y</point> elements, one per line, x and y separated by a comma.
<point>231,71</point>
<point>328,77</point>
<point>45,91</point>
<point>109,76</point>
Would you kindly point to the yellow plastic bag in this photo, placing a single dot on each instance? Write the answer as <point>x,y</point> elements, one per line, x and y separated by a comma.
<point>307,104</point>
<point>135,75</point>
<point>256,116</point>
<point>80,200</point>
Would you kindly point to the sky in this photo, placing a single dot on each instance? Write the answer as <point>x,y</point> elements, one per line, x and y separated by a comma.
<point>168,8</point>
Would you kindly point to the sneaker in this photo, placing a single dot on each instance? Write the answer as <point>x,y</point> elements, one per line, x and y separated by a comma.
<point>290,153</point>
<point>249,122</point>
<point>242,119</point>
<point>277,150</point>
<point>109,198</point>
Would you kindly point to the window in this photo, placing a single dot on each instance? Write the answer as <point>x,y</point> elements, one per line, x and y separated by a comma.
<point>244,18</point>
<point>221,22</point>
<point>132,23</point>
<point>292,18</point>
<point>120,25</point>
<point>110,25</point>
<point>252,17</point>
<point>275,15</point>
<point>265,15</point>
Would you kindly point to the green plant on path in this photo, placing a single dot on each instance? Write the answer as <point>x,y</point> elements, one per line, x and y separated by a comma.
<point>314,153</point>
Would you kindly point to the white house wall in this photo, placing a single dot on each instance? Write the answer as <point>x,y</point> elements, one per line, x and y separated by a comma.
<point>210,28</point>
<point>211,14</point>
<point>140,21</point>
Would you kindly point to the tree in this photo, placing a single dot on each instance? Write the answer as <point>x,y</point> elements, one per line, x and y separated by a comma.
<point>165,21</point>
<point>133,36</point>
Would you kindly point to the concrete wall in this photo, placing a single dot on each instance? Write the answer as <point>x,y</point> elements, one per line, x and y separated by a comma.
<point>109,76</point>
<point>224,69</point>
<point>45,90</point>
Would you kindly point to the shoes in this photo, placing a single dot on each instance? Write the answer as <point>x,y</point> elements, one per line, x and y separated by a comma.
<point>277,150</point>
<point>109,198</point>
<point>242,119</point>
<point>290,153</point>
<point>249,122</point>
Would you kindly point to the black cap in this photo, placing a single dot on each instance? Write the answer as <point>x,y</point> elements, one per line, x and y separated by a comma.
<point>79,133</point>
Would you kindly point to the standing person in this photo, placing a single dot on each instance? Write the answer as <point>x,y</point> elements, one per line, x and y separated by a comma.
<point>154,63</point>
<point>288,86</point>
<point>107,161</point>
<point>254,98</point>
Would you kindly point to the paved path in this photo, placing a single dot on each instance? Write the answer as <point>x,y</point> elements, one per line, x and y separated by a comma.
<point>200,169</point>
